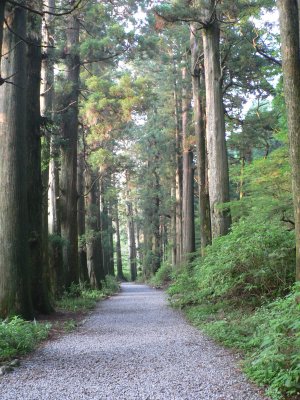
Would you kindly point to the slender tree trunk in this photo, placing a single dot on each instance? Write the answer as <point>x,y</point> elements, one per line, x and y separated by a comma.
<point>156,239</point>
<point>68,184</point>
<point>290,49</point>
<point>51,220</point>
<point>188,228</point>
<point>38,265</point>
<point>14,255</point>
<point>120,274</point>
<point>104,224</point>
<point>93,234</point>
<point>216,144</point>
<point>178,175</point>
<point>111,269</point>
<point>204,209</point>
<point>137,235</point>
<point>2,11</point>
<point>188,243</point>
<point>83,271</point>
<point>173,225</point>
<point>131,241</point>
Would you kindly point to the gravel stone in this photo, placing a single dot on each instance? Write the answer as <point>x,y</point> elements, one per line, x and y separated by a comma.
<point>133,346</point>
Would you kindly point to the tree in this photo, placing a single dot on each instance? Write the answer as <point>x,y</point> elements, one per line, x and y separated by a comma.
<point>188,228</point>
<point>68,181</point>
<point>199,126</point>
<point>14,256</point>
<point>290,48</point>
<point>215,126</point>
<point>38,264</point>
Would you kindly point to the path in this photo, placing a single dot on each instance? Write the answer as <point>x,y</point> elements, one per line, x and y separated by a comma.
<point>134,346</point>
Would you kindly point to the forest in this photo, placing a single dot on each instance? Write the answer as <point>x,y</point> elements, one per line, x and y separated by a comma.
<point>158,142</point>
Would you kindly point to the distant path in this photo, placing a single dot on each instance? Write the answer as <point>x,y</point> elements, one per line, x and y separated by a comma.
<point>133,346</point>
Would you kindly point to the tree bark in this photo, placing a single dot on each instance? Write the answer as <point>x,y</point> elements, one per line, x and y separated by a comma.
<point>2,11</point>
<point>290,49</point>
<point>105,239</point>
<point>131,241</point>
<point>215,128</point>
<point>14,255</point>
<point>83,270</point>
<point>111,269</point>
<point>178,174</point>
<point>204,208</point>
<point>188,228</point>
<point>120,274</point>
<point>68,181</point>
<point>93,233</point>
<point>38,265</point>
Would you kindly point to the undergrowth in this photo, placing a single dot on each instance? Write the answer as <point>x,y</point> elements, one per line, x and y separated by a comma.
<point>81,298</point>
<point>163,276</point>
<point>18,337</point>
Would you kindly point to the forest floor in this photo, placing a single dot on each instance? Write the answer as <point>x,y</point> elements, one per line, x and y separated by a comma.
<point>132,346</point>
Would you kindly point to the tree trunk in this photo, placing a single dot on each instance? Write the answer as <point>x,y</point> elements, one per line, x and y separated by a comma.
<point>173,224</point>
<point>188,228</point>
<point>120,274</point>
<point>38,265</point>
<point>51,220</point>
<point>188,242</point>
<point>204,209</point>
<point>131,241</point>
<point>178,181</point>
<point>93,234</point>
<point>104,224</point>
<point>110,232</point>
<point>14,255</point>
<point>83,271</point>
<point>2,10</point>
<point>68,184</point>
<point>156,239</point>
<point>290,48</point>
<point>216,144</point>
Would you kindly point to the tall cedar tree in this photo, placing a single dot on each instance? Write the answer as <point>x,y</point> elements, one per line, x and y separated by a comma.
<point>290,48</point>
<point>68,181</point>
<point>14,255</point>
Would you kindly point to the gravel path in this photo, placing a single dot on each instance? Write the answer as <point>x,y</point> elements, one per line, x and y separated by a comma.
<point>132,347</point>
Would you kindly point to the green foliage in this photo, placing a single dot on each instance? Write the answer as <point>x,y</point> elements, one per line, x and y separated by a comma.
<point>56,240</point>
<point>269,338</point>
<point>81,298</point>
<point>18,337</point>
<point>163,276</point>
<point>110,285</point>
<point>276,361</point>
<point>236,294</point>
<point>255,261</point>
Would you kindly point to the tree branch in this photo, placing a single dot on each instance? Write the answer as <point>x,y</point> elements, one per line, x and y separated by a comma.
<point>42,13</point>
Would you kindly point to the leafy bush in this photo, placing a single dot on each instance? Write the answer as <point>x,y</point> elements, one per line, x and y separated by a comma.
<point>18,337</point>
<point>80,298</point>
<point>276,362</point>
<point>110,285</point>
<point>252,263</point>
<point>269,338</point>
<point>162,276</point>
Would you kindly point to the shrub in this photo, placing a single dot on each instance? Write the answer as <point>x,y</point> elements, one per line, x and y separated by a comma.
<point>18,337</point>
<point>250,264</point>
<point>276,361</point>
<point>162,276</point>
